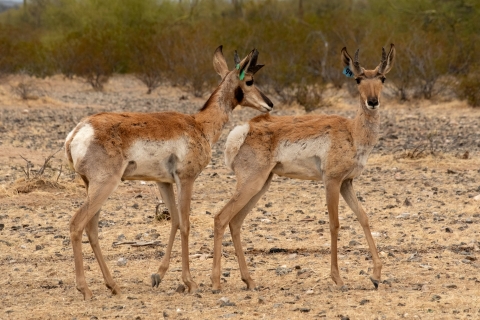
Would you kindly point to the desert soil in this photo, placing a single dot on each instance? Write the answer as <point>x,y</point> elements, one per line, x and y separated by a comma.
<point>421,191</point>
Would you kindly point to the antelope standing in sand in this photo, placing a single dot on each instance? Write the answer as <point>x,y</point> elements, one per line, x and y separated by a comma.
<point>165,147</point>
<point>311,147</point>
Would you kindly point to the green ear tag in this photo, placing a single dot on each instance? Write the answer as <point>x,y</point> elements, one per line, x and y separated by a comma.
<point>242,75</point>
<point>237,66</point>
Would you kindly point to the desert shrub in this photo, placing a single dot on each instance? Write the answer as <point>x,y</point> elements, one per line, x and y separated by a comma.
<point>93,54</point>
<point>469,88</point>
<point>299,41</point>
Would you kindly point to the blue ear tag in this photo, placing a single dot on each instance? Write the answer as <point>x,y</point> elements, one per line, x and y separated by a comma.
<point>348,72</point>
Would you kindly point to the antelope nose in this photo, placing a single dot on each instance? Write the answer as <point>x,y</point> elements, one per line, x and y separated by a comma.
<point>372,102</point>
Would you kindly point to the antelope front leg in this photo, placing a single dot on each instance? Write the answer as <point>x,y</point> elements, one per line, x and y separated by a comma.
<point>184,198</point>
<point>348,194</point>
<point>168,196</point>
<point>333,193</point>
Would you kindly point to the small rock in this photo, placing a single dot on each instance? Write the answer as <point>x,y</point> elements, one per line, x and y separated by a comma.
<point>277,250</point>
<point>282,270</point>
<point>477,198</point>
<point>450,286</point>
<point>292,256</point>
<point>261,300</point>
<point>121,262</point>
<point>304,309</point>
<point>448,230</point>
<point>364,301</point>
<point>436,297</point>
<point>38,247</point>
<point>121,237</point>
<point>180,288</point>
<point>309,291</point>
<point>225,302</point>
<point>407,203</point>
<point>226,274</point>
<point>2,226</point>
<point>353,243</point>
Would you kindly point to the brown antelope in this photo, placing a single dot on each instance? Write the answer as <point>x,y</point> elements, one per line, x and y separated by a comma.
<point>311,147</point>
<point>165,147</point>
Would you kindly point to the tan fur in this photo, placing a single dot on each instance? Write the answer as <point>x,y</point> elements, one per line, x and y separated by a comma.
<point>314,147</point>
<point>165,147</point>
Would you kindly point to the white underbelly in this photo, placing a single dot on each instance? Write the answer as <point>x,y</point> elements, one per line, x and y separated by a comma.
<point>305,169</point>
<point>302,159</point>
<point>155,160</point>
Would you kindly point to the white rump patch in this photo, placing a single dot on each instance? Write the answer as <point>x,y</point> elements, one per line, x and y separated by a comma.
<point>80,142</point>
<point>235,140</point>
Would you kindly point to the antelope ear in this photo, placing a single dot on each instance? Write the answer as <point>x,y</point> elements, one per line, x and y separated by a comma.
<point>351,67</point>
<point>236,59</point>
<point>219,63</point>
<point>387,60</point>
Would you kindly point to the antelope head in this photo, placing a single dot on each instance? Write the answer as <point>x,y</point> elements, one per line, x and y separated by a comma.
<point>241,79</point>
<point>370,82</point>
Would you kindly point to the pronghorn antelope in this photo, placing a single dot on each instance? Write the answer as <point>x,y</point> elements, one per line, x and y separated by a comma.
<point>311,147</point>
<point>165,147</point>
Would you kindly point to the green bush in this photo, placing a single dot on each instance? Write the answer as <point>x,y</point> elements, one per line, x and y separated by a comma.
<point>299,41</point>
<point>469,87</point>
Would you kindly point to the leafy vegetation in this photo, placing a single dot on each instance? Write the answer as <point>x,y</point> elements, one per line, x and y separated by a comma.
<point>300,40</point>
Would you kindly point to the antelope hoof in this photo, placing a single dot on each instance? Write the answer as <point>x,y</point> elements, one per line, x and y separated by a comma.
<point>155,280</point>
<point>250,284</point>
<point>192,287</point>
<point>87,293</point>
<point>115,289</point>
<point>375,282</point>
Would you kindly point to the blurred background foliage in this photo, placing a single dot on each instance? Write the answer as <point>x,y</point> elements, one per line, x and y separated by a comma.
<point>172,41</point>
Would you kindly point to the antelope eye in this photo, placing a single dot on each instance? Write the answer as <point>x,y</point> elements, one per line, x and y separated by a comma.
<point>249,82</point>
<point>358,80</point>
<point>383,79</point>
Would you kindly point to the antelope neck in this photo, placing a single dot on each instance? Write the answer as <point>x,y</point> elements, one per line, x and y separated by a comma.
<point>366,125</point>
<point>215,113</point>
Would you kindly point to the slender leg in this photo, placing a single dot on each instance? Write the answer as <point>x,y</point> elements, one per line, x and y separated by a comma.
<point>243,196</point>
<point>333,193</point>
<point>168,196</point>
<point>348,194</point>
<point>185,188</point>
<point>98,192</point>
<point>235,229</point>
<point>92,232</point>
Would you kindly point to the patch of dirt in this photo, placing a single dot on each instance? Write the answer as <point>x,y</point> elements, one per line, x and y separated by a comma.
<point>424,214</point>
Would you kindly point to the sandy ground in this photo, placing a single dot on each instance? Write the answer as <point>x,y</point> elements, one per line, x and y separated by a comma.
<point>419,189</point>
